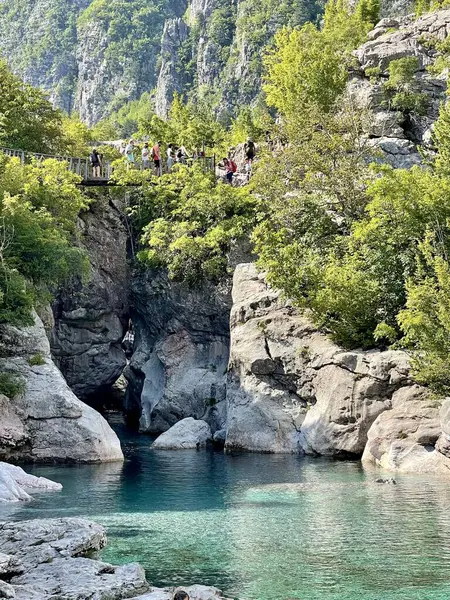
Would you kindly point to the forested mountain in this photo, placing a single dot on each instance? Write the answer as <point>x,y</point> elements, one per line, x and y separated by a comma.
<point>92,56</point>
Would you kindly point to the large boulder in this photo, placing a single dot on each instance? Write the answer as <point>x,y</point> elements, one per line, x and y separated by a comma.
<point>16,485</point>
<point>409,438</point>
<point>91,317</point>
<point>186,434</point>
<point>290,389</point>
<point>181,353</point>
<point>46,422</point>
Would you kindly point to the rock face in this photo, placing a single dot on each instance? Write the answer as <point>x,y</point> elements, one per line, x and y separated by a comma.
<point>184,435</point>
<point>396,131</point>
<point>411,437</point>
<point>290,389</point>
<point>46,422</point>
<point>171,78</point>
<point>15,484</point>
<point>53,65</point>
<point>91,320</point>
<point>181,353</point>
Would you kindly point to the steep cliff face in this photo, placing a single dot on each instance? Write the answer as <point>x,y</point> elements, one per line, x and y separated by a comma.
<point>172,78</point>
<point>39,37</point>
<point>181,353</point>
<point>90,55</point>
<point>222,50</point>
<point>91,319</point>
<point>290,389</point>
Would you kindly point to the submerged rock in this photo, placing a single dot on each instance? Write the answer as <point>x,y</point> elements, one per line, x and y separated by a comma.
<point>185,434</point>
<point>46,421</point>
<point>16,485</point>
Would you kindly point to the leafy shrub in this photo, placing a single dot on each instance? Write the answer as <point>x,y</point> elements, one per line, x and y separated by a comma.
<point>189,222</point>
<point>11,385</point>
<point>401,87</point>
<point>37,360</point>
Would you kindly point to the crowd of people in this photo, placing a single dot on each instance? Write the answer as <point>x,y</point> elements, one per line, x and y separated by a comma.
<point>153,158</point>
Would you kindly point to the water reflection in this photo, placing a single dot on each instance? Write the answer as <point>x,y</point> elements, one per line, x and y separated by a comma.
<point>263,527</point>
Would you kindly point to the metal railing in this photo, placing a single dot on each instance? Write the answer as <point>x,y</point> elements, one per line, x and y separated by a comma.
<point>83,167</point>
<point>79,166</point>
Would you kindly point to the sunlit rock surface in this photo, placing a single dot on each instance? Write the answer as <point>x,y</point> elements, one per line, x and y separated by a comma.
<point>46,422</point>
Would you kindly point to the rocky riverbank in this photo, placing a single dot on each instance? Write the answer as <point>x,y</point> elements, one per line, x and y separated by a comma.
<point>58,558</point>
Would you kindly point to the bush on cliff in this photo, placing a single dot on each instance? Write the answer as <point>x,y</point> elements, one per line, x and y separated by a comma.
<point>189,222</point>
<point>39,204</point>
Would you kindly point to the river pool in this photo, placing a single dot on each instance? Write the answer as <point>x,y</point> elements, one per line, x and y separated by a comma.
<point>261,527</point>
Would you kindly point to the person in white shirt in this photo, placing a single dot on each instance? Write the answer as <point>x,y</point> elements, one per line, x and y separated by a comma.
<point>145,156</point>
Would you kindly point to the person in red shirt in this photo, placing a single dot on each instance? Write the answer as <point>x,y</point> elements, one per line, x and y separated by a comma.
<point>156,155</point>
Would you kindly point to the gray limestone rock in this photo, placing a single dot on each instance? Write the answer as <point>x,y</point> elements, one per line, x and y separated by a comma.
<point>91,319</point>
<point>403,439</point>
<point>181,353</point>
<point>16,485</point>
<point>55,558</point>
<point>290,389</point>
<point>396,134</point>
<point>171,78</point>
<point>186,434</point>
<point>6,590</point>
<point>56,425</point>
<point>81,578</point>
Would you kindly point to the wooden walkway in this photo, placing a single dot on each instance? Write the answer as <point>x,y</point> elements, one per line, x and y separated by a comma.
<point>83,167</point>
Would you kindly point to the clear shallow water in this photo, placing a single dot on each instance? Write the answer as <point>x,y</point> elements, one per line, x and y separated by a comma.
<point>261,527</point>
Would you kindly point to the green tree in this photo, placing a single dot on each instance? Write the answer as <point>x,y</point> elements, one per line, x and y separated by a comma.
<point>27,119</point>
<point>39,205</point>
<point>189,222</point>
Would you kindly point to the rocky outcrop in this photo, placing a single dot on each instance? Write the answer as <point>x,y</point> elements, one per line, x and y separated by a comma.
<point>92,317</point>
<point>181,353</point>
<point>39,42</point>
<point>171,78</point>
<point>46,422</point>
<point>290,389</point>
<point>184,435</point>
<point>412,436</point>
<point>396,130</point>
<point>16,485</point>
<point>55,558</point>
<point>52,558</point>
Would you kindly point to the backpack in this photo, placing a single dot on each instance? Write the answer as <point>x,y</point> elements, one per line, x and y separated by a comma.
<point>179,154</point>
<point>152,153</point>
<point>233,166</point>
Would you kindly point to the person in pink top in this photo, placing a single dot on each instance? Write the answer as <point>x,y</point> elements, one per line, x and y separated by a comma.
<point>156,155</point>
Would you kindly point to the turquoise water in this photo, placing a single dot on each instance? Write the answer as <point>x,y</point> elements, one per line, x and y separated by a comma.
<point>262,527</point>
